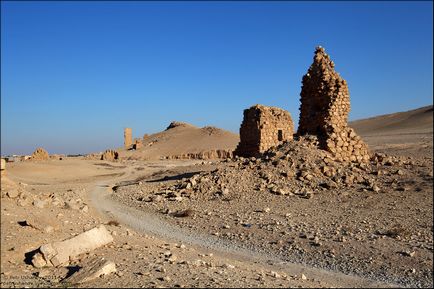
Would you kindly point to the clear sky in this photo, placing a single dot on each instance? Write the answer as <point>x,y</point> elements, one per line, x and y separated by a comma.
<point>74,74</point>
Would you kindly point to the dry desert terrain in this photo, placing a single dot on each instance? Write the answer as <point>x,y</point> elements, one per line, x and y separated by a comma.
<point>292,218</point>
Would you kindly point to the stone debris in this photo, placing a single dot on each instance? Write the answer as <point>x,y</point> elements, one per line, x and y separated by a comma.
<point>40,203</point>
<point>296,168</point>
<point>12,194</point>
<point>41,223</point>
<point>110,155</point>
<point>128,137</point>
<point>91,270</point>
<point>40,154</point>
<point>263,127</point>
<point>204,155</point>
<point>3,165</point>
<point>325,104</point>
<point>60,253</point>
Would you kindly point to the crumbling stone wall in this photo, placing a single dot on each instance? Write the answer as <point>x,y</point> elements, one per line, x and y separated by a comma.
<point>204,155</point>
<point>3,167</point>
<point>40,154</point>
<point>137,144</point>
<point>262,128</point>
<point>110,155</point>
<point>325,104</point>
<point>128,138</point>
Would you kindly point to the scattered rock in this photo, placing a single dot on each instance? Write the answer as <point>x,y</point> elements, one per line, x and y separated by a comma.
<point>12,194</point>
<point>91,270</point>
<point>40,203</point>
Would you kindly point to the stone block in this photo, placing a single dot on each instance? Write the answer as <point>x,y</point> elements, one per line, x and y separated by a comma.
<point>60,253</point>
<point>91,270</point>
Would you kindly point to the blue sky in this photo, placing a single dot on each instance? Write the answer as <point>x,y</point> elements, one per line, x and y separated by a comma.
<point>74,74</point>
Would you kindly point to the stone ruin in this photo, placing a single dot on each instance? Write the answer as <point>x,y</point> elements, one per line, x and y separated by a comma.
<point>204,155</point>
<point>3,166</point>
<point>263,127</point>
<point>110,155</point>
<point>137,144</point>
<point>40,154</point>
<point>325,104</point>
<point>128,137</point>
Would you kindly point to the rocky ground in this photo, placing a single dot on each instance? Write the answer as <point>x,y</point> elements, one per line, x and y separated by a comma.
<point>57,207</point>
<point>294,218</point>
<point>373,220</point>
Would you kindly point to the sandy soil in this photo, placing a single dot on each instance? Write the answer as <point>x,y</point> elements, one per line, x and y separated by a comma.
<point>407,133</point>
<point>349,236</point>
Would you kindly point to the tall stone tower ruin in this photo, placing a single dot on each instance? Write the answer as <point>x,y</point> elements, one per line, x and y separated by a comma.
<point>128,138</point>
<point>325,104</point>
<point>262,128</point>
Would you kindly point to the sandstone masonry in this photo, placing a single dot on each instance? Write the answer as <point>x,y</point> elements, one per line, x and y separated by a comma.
<point>128,137</point>
<point>325,104</point>
<point>40,154</point>
<point>110,155</point>
<point>262,128</point>
<point>137,144</point>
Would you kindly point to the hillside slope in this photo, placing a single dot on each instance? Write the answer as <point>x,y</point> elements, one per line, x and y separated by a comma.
<point>412,121</point>
<point>181,139</point>
<point>407,133</point>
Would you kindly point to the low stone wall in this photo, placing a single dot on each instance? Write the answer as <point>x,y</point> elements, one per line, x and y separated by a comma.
<point>212,154</point>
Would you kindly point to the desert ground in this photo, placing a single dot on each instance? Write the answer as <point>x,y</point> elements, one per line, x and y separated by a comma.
<point>276,221</point>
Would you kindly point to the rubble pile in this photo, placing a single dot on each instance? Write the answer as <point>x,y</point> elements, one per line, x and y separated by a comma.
<point>296,167</point>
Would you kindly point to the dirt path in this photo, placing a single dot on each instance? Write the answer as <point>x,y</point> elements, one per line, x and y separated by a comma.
<point>144,222</point>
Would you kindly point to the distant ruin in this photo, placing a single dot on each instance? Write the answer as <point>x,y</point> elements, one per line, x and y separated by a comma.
<point>128,138</point>
<point>262,128</point>
<point>110,155</point>
<point>40,154</point>
<point>137,144</point>
<point>3,167</point>
<point>204,155</point>
<point>325,104</point>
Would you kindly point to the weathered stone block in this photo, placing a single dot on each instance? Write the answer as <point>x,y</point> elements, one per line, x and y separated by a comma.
<point>60,253</point>
<point>91,270</point>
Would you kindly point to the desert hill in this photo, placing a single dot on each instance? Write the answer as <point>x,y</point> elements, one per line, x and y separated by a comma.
<point>413,121</point>
<point>181,140</point>
<point>403,133</point>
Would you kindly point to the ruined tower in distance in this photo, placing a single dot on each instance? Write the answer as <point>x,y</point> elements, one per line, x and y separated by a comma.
<point>325,104</point>
<point>128,137</point>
